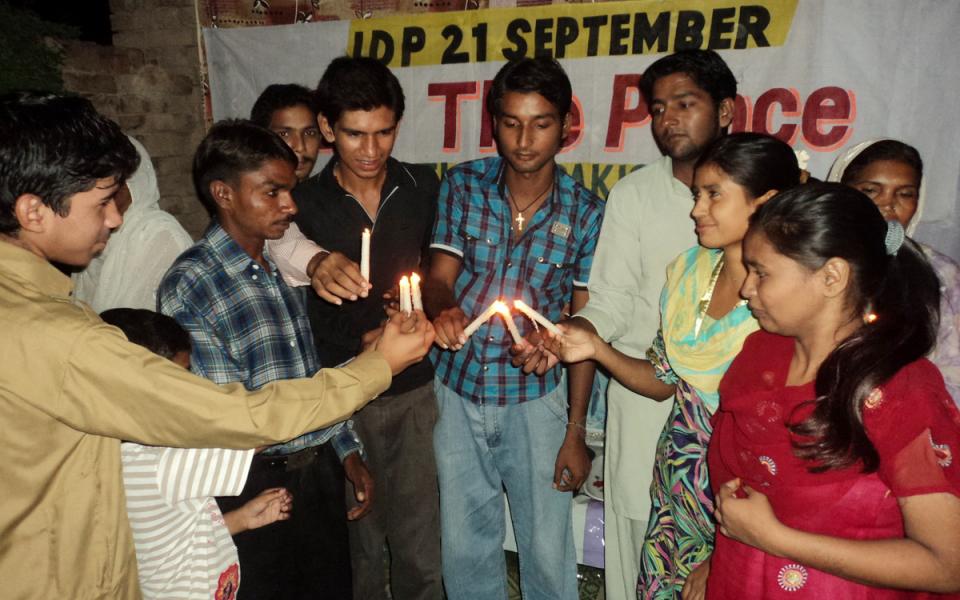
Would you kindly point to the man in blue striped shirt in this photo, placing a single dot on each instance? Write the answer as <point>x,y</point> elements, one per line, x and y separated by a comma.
<point>511,227</point>
<point>248,326</point>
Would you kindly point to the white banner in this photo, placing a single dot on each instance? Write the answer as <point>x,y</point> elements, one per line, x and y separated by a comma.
<point>819,74</point>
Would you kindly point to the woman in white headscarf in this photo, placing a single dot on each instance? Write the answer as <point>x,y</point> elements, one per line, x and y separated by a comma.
<point>891,174</point>
<point>128,272</point>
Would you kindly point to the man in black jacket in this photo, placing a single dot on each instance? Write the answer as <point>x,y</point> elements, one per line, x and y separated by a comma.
<point>363,187</point>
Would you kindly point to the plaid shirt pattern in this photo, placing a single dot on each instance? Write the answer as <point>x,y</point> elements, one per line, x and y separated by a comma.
<point>541,268</point>
<point>246,325</point>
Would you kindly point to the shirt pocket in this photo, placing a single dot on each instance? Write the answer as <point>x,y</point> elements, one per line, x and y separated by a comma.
<point>481,246</point>
<point>549,268</point>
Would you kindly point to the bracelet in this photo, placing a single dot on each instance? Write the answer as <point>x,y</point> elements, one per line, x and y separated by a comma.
<point>580,425</point>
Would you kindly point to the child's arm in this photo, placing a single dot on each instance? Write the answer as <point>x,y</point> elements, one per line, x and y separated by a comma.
<point>269,506</point>
<point>928,558</point>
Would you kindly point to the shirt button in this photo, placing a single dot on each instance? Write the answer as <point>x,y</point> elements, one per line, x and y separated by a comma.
<point>490,338</point>
<point>293,344</point>
<point>540,260</point>
<point>486,368</point>
<point>509,264</point>
<point>256,267</point>
<point>254,278</point>
<point>489,241</point>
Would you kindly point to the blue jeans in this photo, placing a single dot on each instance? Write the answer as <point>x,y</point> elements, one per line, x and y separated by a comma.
<point>480,451</point>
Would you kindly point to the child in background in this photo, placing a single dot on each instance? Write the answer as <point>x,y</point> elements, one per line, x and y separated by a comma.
<point>183,542</point>
<point>832,451</point>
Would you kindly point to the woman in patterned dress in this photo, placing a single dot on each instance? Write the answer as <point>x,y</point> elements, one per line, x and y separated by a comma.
<point>832,452</point>
<point>703,325</point>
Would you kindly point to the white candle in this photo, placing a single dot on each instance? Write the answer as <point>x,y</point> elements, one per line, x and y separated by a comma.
<point>365,254</point>
<point>504,311</point>
<point>480,320</point>
<point>535,316</point>
<point>415,292</point>
<point>405,305</point>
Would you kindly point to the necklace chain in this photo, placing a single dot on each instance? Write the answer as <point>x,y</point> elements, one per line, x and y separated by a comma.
<point>520,211</point>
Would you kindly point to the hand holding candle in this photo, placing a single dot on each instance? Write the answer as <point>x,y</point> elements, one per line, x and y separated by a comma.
<point>504,311</point>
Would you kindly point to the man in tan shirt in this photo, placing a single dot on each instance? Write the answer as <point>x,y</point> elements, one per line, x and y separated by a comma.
<point>71,386</point>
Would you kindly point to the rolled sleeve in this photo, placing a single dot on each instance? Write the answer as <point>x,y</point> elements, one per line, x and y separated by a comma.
<point>446,236</point>
<point>292,254</point>
<point>345,441</point>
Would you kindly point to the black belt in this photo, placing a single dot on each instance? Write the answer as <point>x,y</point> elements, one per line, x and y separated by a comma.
<point>288,462</point>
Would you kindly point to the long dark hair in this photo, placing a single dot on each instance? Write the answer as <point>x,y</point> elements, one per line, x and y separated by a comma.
<point>816,222</point>
<point>755,161</point>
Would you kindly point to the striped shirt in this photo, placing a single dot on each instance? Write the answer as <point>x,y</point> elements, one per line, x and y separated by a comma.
<point>245,325</point>
<point>542,267</point>
<point>183,547</point>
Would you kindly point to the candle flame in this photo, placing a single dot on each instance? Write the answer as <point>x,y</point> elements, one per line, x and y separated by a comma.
<point>501,307</point>
<point>405,280</point>
<point>366,231</point>
<point>414,278</point>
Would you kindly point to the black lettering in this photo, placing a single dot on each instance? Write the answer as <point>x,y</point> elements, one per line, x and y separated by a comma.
<point>593,25</point>
<point>357,44</point>
<point>721,24</point>
<point>567,32</point>
<point>380,38</point>
<point>414,40</point>
<point>619,32</point>
<point>689,30</point>
<point>452,55</point>
<point>480,38</point>
<point>645,34</point>
<point>753,21</point>
<point>515,30</point>
<point>599,185</point>
<point>542,37</point>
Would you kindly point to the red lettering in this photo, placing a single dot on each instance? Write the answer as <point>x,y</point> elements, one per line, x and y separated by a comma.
<point>486,123</point>
<point>789,101</point>
<point>452,94</point>
<point>627,109</point>
<point>741,114</point>
<point>575,133</point>
<point>828,106</point>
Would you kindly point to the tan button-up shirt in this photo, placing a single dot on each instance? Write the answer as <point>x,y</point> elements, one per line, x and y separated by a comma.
<point>72,387</point>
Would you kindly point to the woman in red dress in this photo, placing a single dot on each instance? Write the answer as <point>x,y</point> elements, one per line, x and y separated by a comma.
<point>832,452</point>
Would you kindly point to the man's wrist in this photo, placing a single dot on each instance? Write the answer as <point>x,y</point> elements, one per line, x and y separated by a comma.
<point>315,262</point>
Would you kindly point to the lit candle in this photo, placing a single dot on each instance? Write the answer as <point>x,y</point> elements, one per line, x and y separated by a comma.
<point>535,316</point>
<point>415,292</point>
<point>365,254</point>
<point>405,306</point>
<point>504,311</point>
<point>480,320</point>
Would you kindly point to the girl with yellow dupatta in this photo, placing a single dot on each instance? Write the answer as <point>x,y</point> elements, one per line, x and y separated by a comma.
<point>703,323</point>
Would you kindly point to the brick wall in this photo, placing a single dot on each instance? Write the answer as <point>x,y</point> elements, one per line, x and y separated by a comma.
<point>149,82</point>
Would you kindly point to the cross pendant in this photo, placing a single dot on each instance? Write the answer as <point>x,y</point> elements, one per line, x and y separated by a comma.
<point>519,221</point>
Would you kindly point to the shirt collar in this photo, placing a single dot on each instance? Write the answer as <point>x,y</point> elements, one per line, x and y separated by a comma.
<point>561,195</point>
<point>232,257</point>
<point>33,270</point>
<point>396,176</point>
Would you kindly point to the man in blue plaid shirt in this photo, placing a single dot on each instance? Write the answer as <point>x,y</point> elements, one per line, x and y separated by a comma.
<point>511,227</point>
<point>247,326</point>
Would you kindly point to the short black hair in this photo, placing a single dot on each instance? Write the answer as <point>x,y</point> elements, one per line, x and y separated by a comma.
<point>55,146</point>
<point>157,333</point>
<point>358,83</point>
<point>705,67</point>
<point>883,150</point>
<point>279,96</point>
<point>541,74</point>
<point>234,147</point>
